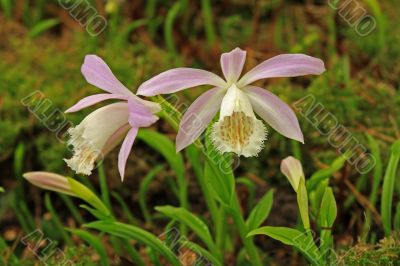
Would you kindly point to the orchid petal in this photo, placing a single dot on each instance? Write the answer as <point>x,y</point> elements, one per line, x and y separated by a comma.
<point>125,150</point>
<point>140,115</point>
<point>198,116</point>
<point>93,99</point>
<point>97,73</point>
<point>275,112</point>
<point>151,106</point>
<point>285,65</point>
<point>232,64</point>
<point>178,79</point>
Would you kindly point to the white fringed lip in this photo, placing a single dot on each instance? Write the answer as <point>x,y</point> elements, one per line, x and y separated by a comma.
<point>90,139</point>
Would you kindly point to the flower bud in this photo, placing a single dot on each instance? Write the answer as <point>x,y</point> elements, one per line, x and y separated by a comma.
<point>292,169</point>
<point>50,181</point>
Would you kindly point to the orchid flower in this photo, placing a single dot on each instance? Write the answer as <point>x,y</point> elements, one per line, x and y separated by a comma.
<point>292,169</point>
<point>104,128</point>
<point>238,130</point>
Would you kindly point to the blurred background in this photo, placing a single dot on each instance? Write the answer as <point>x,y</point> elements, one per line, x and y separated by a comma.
<point>43,44</point>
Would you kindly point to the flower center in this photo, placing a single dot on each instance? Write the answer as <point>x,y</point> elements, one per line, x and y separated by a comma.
<point>238,130</point>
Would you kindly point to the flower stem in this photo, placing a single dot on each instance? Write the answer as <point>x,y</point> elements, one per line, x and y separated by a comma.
<point>241,227</point>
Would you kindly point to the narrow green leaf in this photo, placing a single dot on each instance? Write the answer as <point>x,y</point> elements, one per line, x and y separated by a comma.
<point>261,211</point>
<point>192,221</point>
<point>194,156</point>
<point>105,196</point>
<point>378,168</point>
<point>87,195</point>
<point>202,253</point>
<point>251,187</point>
<point>300,240</point>
<point>138,234</point>
<point>327,216</point>
<point>72,208</point>
<point>96,213</point>
<point>396,222</point>
<point>218,172</point>
<point>43,26</point>
<point>144,185</point>
<point>388,188</point>
<point>169,26</point>
<point>302,201</point>
<point>328,210</point>
<point>166,148</point>
<point>218,184</point>
<point>125,208</point>
<point>206,7</point>
<point>283,234</point>
<point>7,6</point>
<point>56,219</point>
<point>93,242</point>
<point>19,155</point>
<point>323,174</point>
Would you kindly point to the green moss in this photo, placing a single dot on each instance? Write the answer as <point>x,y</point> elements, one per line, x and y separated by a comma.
<point>386,252</point>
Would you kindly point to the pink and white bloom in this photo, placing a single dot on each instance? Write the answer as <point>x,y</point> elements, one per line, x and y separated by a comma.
<point>238,129</point>
<point>104,128</point>
<point>292,169</point>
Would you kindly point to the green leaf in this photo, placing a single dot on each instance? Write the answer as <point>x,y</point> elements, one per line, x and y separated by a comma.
<point>218,172</point>
<point>166,147</point>
<point>93,242</point>
<point>7,6</point>
<point>1,189</point>
<point>42,26</point>
<point>192,221</point>
<point>138,234</point>
<point>378,169</point>
<point>125,208</point>
<point>220,186</point>
<point>300,240</point>
<point>388,188</point>
<point>143,191</point>
<point>396,222</point>
<point>202,253</point>
<point>323,174</point>
<point>302,201</point>
<point>327,216</point>
<point>87,195</point>
<point>56,220</point>
<point>261,211</point>
<point>19,155</point>
<point>96,213</point>
<point>328,210</point>
<point>251,187</point>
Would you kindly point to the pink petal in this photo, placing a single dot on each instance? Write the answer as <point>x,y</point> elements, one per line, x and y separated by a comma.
<point>275,112</point>
<point>198,116</point>
<point>232,64</point>
<point>125,150</point>
<point>285,65</point>
<point>97,73</point>
<point>151,106</point>
<point>178,79</point>
<point>93,99</point>
<point>140,115</point>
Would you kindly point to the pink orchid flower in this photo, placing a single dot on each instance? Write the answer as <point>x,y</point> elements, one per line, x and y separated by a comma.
<point>238,129</point>
<point>104,128</point>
